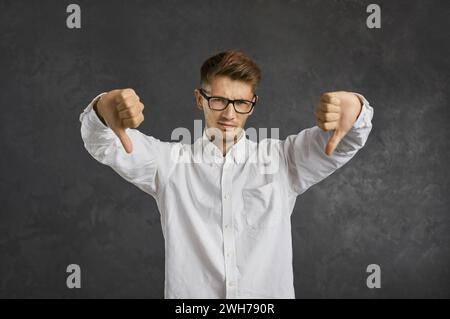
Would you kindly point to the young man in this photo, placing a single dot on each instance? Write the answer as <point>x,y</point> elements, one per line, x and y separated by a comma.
<point>225,215</point>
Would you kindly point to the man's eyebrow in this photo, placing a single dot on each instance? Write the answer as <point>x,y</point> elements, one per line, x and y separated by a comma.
<point>244,99</point>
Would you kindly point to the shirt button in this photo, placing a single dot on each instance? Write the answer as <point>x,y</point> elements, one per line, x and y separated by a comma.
<point>230,284</point>
<point>227,226</point>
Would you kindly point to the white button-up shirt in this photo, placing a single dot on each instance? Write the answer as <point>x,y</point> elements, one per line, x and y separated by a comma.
<point>225,219</point>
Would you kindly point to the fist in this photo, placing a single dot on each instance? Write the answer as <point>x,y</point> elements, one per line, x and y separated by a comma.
<point>121,109</point>
<point>337,111</point>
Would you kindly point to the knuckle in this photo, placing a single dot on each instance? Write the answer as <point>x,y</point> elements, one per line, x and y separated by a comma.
<point>123,94</point>
<point>128,104</point>
<point>129,91</point>
<point>118,99</point>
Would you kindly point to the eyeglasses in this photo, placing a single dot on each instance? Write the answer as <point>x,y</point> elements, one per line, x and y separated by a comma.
<point>219,103</point>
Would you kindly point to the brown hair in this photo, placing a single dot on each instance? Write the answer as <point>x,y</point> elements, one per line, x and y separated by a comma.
<point>233,64</point>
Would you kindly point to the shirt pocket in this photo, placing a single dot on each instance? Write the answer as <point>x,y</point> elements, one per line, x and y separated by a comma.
<point>261,207</point>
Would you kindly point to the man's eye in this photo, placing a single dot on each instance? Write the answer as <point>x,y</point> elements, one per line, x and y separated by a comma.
<point>242,102</point>
<point>219,100</point>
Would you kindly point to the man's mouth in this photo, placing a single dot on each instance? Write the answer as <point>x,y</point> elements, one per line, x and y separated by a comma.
<point>227,126</point>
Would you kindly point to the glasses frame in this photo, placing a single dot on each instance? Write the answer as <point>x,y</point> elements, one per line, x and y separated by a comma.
<point>203,93</point>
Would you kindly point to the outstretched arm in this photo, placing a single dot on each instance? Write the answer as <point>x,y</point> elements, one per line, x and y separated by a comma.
<point>344,123</point>
<point>109,135</point>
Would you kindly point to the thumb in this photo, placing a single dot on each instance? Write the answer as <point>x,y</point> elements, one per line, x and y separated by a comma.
<point>333,142</point>
<point>125,140</point>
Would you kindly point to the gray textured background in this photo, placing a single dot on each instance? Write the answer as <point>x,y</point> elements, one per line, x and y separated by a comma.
<point>388,206</point>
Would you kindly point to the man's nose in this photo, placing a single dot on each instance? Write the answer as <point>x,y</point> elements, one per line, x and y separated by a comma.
<point>229,113</point>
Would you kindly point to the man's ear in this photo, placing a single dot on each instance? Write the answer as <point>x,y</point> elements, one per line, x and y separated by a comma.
<point>198,99</point>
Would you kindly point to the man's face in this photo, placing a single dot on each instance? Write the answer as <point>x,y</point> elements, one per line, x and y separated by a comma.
<point>229,122</point>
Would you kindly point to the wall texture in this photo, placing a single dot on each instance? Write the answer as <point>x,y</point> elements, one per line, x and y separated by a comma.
<point>388,206</point>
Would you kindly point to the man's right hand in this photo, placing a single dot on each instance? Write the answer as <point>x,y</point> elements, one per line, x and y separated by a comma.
<point>121,109</point>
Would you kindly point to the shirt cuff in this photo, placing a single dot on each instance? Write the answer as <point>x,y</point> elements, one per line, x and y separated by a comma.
<point>364,119</point>
<point>90,114</point>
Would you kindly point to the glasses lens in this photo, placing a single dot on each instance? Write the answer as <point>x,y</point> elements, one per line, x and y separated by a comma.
<point>243,106</point>
<point>217,103</point>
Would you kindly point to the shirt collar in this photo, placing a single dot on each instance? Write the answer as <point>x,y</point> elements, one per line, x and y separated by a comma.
<point>212,154</point>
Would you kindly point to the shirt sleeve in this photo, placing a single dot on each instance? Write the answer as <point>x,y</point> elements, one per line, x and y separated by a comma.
<point>142,167</point>
<point>305,157</point>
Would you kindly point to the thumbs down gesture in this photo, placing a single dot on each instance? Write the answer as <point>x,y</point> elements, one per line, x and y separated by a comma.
<point>337,112</point>
<point>121,109</point>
